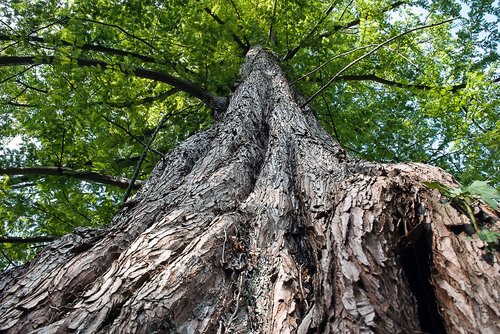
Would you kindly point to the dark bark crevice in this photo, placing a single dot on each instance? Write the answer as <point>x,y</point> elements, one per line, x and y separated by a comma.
<point>416,262</point>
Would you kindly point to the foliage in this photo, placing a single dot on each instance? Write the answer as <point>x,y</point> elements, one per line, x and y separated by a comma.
<point>431,95</point>
<point>466,197</point>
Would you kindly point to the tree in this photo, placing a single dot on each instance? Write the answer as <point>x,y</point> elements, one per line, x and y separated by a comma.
<point>262,222</point>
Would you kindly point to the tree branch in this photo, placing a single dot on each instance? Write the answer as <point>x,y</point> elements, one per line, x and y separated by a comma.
<point>373,77</point>
<point>143,156</point>
<point>7,258</point>
<point>137,102</point>
<point>335,29</point>
<point>86,47</point>
<point>245,47</point>
<point>28,240</point>
<point>131,134</point>
<point>329,61</point>
<point>296,49</point>
<point>184,85</point>
<point>355,22</point>
<point>31,87</point>
<point>371,52</point>
<point>119,28</point>
<point>68,172</point>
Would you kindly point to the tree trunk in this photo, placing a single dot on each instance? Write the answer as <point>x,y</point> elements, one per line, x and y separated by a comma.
<point>263,224</point>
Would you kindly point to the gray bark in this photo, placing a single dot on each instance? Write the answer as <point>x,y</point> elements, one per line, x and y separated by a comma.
<point>263,224</point>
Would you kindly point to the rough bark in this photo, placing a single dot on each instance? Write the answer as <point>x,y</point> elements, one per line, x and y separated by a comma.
<point>263,224</point>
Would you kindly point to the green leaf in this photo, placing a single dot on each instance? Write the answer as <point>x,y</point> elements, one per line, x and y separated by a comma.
<point>489,194</point>
<point>444,190</point>
<point>488,236</point>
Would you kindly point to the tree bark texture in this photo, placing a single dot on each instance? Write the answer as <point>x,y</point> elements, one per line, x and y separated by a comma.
<point>263,224</point>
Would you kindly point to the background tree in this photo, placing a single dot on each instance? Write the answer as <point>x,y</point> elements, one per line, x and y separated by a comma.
<point>95,93</point>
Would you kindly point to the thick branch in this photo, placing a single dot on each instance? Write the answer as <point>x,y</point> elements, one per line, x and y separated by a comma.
<point>139,72</point>
<point>20,240</point>
<point>120,182</point>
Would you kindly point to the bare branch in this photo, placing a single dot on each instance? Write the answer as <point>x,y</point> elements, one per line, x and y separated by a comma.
<point>270,35</point>
<point>31,87</point>
<point>68,172</point>
<point>370,53</point>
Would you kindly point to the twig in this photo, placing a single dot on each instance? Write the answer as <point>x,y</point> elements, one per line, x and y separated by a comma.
<point>131,134</point>
<point>15,75</point>
<point>8,259</point>
<point>48,25</point>
<point>143,156</point>
<point>8,26</point>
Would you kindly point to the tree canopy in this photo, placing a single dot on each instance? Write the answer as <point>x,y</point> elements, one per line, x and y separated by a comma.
<point>93,93</point>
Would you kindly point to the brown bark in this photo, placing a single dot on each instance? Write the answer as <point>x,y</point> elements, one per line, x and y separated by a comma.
<point>263,224</point>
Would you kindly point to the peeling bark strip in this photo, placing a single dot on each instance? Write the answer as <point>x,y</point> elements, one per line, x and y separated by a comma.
<point>262,224</point>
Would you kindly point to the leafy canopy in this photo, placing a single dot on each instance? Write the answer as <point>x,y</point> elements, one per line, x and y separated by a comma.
<point>95,91</point>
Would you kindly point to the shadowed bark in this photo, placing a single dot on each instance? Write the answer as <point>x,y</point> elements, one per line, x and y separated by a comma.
<point>263,224</point>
